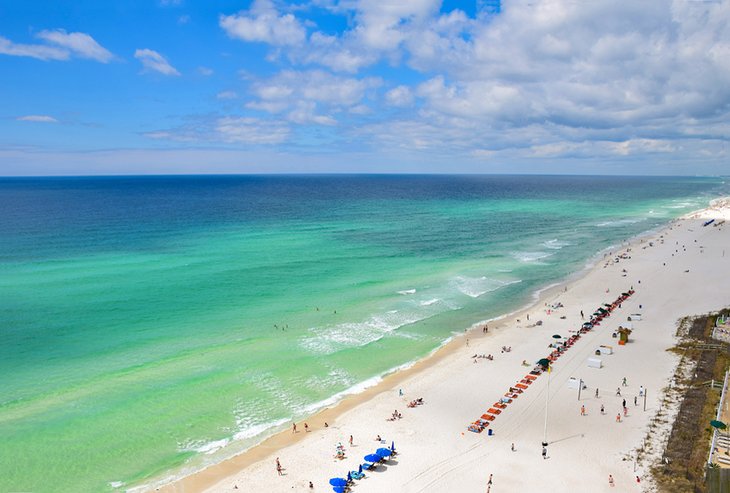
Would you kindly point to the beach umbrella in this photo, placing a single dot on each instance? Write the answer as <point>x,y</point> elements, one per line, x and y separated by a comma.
<point>544,362</point>
<point>587,324</point>
<point>607,304</point>
<point>338,482</point>
<point>373,458</point>
<point>557,336</point>
<point>625,294</point>
<point>339,489</point>
<point>718,424</point>
<point>385,452</point>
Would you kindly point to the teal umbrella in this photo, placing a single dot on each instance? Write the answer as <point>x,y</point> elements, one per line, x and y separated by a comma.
<point>718,424</point>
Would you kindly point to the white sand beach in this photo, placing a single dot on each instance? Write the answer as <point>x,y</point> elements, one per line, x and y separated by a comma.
<point>684,272</point>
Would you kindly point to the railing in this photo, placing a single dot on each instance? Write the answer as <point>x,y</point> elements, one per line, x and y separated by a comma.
<point>719,413</point>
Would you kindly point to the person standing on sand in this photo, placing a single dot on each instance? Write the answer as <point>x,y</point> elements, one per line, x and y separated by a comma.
<point>618,391</point>
<point>618,417</point>
<point>513,447</point>
<point>293,427</point>
<point>306,428</point>
<point>603,411</point>
<point>623,383</point>
<point>350,440</point>
<point>544,452</point>
<point>489,483</point>
<point>610,481</point>
<point>596,393</point>
<point>583,410</point>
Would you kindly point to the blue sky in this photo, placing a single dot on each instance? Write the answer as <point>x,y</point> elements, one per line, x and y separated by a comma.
<point>538,86</point>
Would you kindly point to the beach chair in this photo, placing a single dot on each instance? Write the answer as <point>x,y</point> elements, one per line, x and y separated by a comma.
<point>368,466</point>
<point>491,410</point>
<point>356,475</point>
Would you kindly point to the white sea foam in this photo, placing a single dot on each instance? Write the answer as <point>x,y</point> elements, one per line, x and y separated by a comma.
<point>430,302</point>
<point>620,222</point>
<point>258,429</point>
<point>681,205</point>
<point>407,291</point>
<point>354,389</point>
<point>475,287</point>
<point>330,339</point>
<point>529,257</point>
<point>555,244</point>
<point>116,484</point>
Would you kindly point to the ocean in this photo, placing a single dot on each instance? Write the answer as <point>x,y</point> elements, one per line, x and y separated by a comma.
<point>152,325</point>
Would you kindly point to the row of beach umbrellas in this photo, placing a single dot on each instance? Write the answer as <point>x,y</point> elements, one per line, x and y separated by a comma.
<point>339,484</point>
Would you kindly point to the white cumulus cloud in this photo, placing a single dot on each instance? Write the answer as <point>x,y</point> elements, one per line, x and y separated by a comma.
<point>151,60</point>
<point>264,24</point>
<point>60,45</point>
<point>80,44</point>
<point>37,118</point>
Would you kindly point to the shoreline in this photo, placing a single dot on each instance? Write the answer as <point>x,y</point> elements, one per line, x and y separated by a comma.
<point>216,473</point>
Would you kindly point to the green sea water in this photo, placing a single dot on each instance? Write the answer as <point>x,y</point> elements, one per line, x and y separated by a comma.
<point>151,326</point>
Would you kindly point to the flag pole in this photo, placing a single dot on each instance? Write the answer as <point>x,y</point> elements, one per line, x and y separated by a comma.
<point>547,396</point>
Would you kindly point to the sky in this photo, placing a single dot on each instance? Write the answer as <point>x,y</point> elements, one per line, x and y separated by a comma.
<point>91,87</point>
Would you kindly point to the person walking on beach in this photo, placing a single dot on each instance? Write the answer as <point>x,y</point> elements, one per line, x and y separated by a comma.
<point>293,427</point>
<point>635,403</point>
<point>306,428</point>
<point>610,481</point>
<point>513,447</point>
<point>350,440</point>
<point>583,410</point>
<point>544,452</point>
<point>603,411</point>
<point>623,404</point>
<point>618,391</point>
<point>641,391</point>
<point>278,467</point>
<point>489,483</point>
<point>618,417</point>
<point>596,393</point>
<point>582,317</point>
<point>624,383</point>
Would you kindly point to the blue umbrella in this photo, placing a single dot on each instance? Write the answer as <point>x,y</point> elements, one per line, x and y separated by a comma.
<point>339,489</point>
<point>385,452</point>
<point>338,482</point>
<point>373,458</point>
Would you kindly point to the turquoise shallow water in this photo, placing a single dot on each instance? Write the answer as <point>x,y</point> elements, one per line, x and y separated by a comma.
<point>152,325</point>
